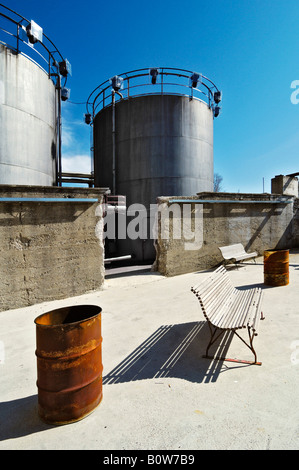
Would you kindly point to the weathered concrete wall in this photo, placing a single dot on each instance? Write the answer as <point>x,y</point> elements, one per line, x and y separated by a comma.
<point>287,185</point>
<point>295,238</point>
<point>256,221</point>
<point>49,250</point>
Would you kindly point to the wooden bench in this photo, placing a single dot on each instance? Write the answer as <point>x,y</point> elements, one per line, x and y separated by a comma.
<point>229,309</point>
<point>236,253</point>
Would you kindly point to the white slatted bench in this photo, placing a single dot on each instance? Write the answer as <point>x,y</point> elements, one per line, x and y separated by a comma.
<point>229,309</point>
<point>236,252</point>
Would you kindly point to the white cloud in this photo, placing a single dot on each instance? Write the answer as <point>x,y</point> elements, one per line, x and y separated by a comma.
<point>67,137</point>
<point>76,164</point>
<point>75,144</point>
<point>76,135</point>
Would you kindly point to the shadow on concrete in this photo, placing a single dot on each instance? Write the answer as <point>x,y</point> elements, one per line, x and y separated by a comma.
<point>261,285</point>
<point>171,351</point>
<point>174,351</point>
<point>15,214</point>
<point>20,418</point>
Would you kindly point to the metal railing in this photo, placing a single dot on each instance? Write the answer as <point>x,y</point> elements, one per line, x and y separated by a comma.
<point>81,178</point>
<point>13,34</point>
<point>152,81</point>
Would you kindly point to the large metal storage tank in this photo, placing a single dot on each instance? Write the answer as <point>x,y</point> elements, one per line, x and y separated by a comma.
<point>28,116</point>
<point>164,147</point>
<point>151,142</point>
<point>33,75</point>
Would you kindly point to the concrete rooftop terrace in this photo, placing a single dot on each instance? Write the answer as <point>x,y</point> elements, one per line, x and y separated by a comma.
<point>158,391</point>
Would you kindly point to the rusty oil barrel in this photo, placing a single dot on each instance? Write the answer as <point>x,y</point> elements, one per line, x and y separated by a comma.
<point>69,363</point>
<point>276,267</point>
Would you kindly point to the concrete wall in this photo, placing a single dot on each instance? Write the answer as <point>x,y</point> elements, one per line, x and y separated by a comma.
<point>287,185</point>
<point>295,238</point>
<point>49,250</point>
<point>256,221</point>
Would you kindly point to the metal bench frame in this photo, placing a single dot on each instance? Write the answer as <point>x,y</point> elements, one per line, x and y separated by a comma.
<point>229,309</point>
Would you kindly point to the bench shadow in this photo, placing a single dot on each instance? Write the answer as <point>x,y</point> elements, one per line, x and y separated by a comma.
<point>172,351</point>
<point>261,285</point>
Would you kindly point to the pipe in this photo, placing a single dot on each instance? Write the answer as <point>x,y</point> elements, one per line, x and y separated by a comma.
<point>58,129</point>
<point>47,199</point>
<point>113,142</point>
<point>119,258</point>
<point>210,201</point>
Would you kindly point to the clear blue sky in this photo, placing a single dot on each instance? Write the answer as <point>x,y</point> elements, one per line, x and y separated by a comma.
<point>249,48</point>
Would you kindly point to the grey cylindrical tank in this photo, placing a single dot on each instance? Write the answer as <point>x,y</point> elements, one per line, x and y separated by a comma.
<point>28,115</point>
<point>163,147</point>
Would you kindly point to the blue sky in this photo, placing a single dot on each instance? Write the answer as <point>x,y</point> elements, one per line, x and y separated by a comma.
<point>248,48</point>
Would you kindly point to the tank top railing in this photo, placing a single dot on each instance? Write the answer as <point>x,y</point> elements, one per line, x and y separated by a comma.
<point>14,35</point>
<point>159,81</point>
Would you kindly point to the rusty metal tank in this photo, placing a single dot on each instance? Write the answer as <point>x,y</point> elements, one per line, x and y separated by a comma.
<point>69,363</point>
<point>276,267</point>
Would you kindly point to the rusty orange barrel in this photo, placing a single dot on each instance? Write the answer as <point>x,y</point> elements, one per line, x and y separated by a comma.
<point>276,267</point>
<point>69,363</point>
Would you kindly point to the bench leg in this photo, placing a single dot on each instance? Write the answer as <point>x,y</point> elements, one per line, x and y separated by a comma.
<point>214,337</point>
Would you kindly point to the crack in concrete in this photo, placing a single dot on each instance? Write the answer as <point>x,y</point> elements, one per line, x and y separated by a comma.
<point>25,242</point>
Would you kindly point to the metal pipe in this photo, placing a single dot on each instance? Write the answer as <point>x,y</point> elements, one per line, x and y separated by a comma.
<point>113,142</point>
<point>119,258</point>
<point>58,165</point>
<point>210,201</point>
<point>59,131</point>
<point>47,199</point>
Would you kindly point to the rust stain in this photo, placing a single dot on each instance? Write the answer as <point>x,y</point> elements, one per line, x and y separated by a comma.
<point>69,363</point>
<point>70,352</point>
<point>276,268</point>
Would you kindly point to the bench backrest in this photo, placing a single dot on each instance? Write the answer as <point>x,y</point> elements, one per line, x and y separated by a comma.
<point>214,291</point>
<point>231,250</point>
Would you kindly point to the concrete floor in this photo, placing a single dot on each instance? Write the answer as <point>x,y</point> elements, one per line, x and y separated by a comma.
<point>158,391</point>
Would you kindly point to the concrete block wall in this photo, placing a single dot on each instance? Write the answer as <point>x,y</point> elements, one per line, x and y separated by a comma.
<point>258,221</point>
<point>285,184</point>
<point>295,238</point>
<point>49,250</point>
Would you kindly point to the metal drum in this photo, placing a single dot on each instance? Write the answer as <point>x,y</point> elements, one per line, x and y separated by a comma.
<point>276,268</point>
<point>69,363</point>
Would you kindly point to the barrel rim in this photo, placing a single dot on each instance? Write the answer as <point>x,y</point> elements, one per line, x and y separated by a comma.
<point>277,251</point>
<point>40,325</point>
